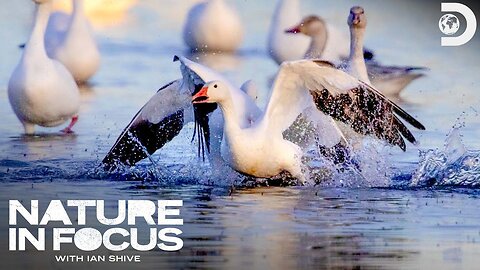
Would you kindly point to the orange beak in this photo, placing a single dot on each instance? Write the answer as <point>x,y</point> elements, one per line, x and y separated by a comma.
<point>201,96</point>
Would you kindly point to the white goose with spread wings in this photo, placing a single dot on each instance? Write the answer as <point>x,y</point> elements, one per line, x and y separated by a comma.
<point>329,94</point>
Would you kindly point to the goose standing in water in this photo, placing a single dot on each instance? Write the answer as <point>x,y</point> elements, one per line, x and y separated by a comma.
<point>282,46</point>
<point>75,45</point>
<point>391,80</point>
<point>213,26</point>
<point>41,91</point>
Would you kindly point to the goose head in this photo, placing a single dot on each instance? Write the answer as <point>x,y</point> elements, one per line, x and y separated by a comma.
<point>211,92</point>
<point>310,26</point>
<point>357,18</point>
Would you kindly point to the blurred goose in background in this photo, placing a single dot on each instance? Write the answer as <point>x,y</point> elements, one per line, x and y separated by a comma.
<point>213,26</point>
<point>326,41</point>
<point>283,46</point>
<point>391,80</point>
<point>41,91</point>
<point>70,40</point>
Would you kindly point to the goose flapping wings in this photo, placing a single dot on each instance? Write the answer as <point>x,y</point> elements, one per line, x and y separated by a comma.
<point>334,93</point>
<point>256,145</point>
<point>317,94</point>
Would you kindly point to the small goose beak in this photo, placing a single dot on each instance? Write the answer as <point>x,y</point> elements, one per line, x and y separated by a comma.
<point>294,30</point>
<point>201,96</point>
<point>356,19</point>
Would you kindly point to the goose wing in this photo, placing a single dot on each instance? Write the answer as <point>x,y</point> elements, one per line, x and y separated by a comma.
<point>163,117</point>
<point>339,96</point>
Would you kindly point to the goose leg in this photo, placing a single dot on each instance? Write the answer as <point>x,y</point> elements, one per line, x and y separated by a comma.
<point>29,128</point>
<point>68,129</point>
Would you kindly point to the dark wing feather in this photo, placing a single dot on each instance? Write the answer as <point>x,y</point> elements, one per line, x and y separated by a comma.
<point>142,138</point>
<point>367,112</point>
<point>397,109</point>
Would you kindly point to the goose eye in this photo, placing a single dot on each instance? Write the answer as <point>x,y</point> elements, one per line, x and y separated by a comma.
<point>215,86</point>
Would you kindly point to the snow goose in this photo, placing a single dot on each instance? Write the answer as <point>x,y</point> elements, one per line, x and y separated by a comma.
<point>41,90</point>
<point>74,46</point>
<point>391,80</point>
<point>165,114</point>
<point>283,46</point>
<point>260,149</point>
<point>213,26</point>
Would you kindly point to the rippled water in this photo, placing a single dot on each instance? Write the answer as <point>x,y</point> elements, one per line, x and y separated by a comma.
<point>412,210</point>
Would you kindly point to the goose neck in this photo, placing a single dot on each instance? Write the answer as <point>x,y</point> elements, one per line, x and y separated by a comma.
<point>77,7</point>
<point>228,111</point>
<point>356,43</point>
<point>35,44</point>
<point>317,45</point>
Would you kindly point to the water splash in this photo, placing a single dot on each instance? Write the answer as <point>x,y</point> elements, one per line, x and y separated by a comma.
<point>454,166</point>
<point>369,165</point>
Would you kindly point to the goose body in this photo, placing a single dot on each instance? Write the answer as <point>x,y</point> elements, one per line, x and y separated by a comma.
<point>213,26</point>
<point>282,46</point>
<point>74,46</point>
<point>41,91</point>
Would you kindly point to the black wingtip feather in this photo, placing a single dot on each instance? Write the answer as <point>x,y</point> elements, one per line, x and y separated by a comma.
<point>399,111</point>
<point>404,130</point>
<point>407,117</point>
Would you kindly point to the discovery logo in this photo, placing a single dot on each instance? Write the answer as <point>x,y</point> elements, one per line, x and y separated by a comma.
<point>449,24</point>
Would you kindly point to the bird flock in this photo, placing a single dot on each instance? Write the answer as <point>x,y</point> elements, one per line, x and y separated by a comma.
<point>330,86</point>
